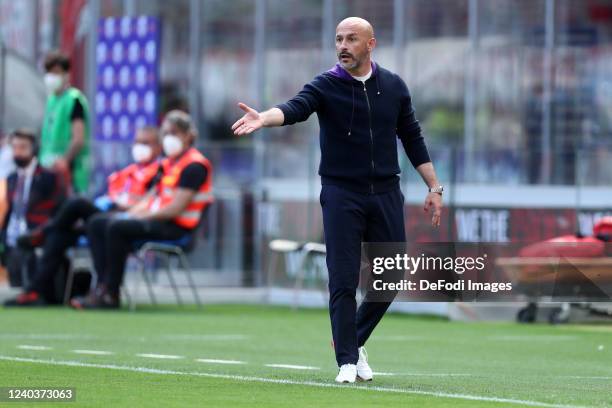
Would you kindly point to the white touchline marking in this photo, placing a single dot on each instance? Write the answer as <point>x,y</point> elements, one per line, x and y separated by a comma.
<point>205,337</point>
<point>586,377</point>
<point>194,337</point>
<point>45,336</point>
<point>287,382</point>
<point>94,352</point>
<point>215,361</point>
<point>161,356</point>
<point>28,347</point>
<point>293,367</point>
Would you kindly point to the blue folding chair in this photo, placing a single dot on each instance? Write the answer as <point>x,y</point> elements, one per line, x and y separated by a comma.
<point>167,249</point>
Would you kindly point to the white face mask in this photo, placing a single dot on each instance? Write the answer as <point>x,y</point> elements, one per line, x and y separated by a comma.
<point>53,82</point>
<point>173,145</point>
<point>141,153</point>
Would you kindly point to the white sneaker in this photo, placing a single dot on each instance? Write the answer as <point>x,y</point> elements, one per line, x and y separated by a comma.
<point>347,373</point>
<point>364,372</point>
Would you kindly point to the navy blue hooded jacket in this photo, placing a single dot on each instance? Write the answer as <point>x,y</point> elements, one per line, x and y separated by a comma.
<point>359,126</point>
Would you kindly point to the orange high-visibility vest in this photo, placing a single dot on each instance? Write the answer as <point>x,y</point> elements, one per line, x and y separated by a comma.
<point>129,185</point>
<point>168,186</point>
<point>3,201</point>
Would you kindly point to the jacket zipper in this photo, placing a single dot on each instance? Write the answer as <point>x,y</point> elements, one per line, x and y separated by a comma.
<point>371,138</point>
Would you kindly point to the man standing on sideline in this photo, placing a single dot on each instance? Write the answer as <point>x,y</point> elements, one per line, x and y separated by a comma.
<point>362,108</point>
<point>65,131</point>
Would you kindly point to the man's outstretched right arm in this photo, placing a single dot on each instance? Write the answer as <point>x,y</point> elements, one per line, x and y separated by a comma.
<point>297,109</point>
<point>253,120</point>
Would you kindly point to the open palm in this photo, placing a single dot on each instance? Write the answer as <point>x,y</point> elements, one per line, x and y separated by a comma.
<point>250,122</point>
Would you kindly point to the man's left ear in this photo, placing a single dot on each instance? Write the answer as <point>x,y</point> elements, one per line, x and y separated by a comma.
<point>372,43</point>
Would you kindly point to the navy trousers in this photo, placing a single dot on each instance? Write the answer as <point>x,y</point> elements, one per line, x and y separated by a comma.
<point>350,218</point>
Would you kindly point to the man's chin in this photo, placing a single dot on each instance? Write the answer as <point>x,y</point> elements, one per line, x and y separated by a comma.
<point>348,66</point>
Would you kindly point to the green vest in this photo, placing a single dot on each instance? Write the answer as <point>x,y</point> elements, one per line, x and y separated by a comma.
<point>57,133</point>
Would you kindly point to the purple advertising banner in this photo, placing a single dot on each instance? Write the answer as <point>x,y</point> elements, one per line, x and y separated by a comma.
<point>127,58</point>
<point>127,90</point>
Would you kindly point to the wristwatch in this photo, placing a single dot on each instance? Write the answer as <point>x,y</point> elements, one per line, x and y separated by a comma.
<point>437,190</point>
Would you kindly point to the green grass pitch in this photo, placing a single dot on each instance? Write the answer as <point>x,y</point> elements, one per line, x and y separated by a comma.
<point>425,362</point>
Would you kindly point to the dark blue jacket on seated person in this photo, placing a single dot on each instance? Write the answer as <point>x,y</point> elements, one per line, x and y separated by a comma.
<point>359,126</point>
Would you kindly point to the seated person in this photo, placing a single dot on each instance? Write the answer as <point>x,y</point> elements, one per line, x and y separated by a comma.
<point>126,187</point>
<point>33,194</point>
<point>173,212</point>
<point>7,166</point>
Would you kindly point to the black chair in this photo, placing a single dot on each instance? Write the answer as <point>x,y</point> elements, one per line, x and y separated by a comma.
<point>80,261</point>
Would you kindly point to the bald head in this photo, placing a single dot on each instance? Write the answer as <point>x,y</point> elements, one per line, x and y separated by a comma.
<point>354,44</point>
<point>356,24</point>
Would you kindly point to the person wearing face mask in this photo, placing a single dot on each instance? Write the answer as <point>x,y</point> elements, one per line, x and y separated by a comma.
<point>126,187</point>
<point>65,129</point>
<point>33,194</point>
<point>174,211</point>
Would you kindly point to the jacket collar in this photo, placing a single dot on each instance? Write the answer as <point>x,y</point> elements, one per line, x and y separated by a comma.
<point>341,73</point>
